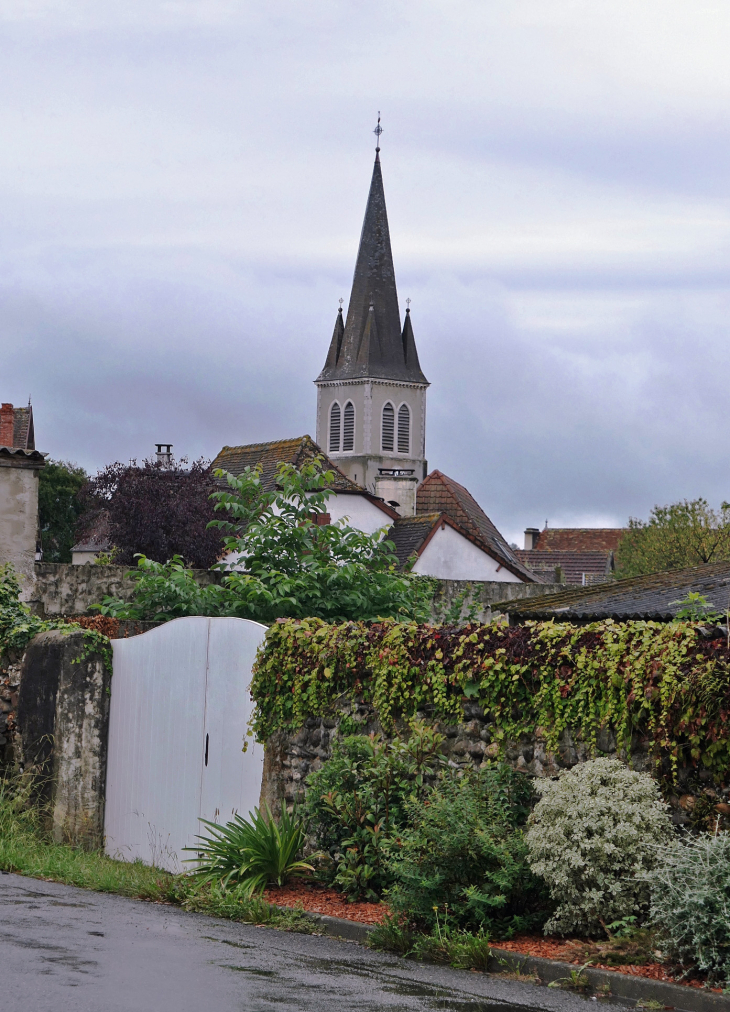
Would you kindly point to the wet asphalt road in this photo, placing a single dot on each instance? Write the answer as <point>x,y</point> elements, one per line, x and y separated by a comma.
<point>63,948</point>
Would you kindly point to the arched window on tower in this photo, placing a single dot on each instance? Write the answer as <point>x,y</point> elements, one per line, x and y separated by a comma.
<point>335,428</point>
<point>404,429</point>
<point>348,428</point>
<point>388,433</point>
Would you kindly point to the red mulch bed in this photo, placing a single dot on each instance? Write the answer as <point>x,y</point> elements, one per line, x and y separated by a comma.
<point>559,948</point>
<point>319,900</point>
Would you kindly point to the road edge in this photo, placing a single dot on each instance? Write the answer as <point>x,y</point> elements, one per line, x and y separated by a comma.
<point>621,985</point>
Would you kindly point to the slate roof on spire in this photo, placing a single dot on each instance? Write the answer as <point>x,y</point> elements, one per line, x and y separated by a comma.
<point>372,344</point>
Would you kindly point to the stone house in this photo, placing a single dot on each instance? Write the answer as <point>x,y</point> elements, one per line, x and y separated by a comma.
<point>20,465</point>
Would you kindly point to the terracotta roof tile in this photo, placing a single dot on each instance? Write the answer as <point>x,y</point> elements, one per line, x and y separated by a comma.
<point>440,494</point>
<point>578,539</point>
<point>579,568</point>
<point>236,459</point>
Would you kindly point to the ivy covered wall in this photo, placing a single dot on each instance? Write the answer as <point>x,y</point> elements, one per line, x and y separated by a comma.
<point>662,690</point>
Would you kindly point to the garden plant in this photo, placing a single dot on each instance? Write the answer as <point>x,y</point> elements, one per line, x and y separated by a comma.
<point>251,853</point>
<point>593,837</point>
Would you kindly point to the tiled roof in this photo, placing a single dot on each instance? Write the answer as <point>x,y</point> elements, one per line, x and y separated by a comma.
<point>16,428</point>
<point>643,597</point>
<point>236,459</point>
<point>578,539</point>
<point>409,533</point>
<point>94,537</point>
<point>579,568</point>
<point>23,435</point>
<point>21,455</point>
<point>440,494</point>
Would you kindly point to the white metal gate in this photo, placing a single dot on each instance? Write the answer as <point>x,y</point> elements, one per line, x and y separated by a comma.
<point>179,713</point>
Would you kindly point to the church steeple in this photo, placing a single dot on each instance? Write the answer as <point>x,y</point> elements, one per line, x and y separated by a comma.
<point>371,394</point>
<point>372,345</point>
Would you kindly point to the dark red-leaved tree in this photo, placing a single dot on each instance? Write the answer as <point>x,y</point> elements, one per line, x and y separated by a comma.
<point>157,509</point>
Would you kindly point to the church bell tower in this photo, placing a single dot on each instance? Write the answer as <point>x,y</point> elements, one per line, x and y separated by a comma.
<point>371,393</point>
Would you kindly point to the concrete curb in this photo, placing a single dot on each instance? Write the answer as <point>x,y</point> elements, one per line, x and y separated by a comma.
<point>623,986</point>
<point>683,999</point>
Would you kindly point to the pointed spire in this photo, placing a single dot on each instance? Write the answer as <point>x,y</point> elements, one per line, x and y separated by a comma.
<point>409,344</point>
<point>379,354</point>
<point>336,343</point>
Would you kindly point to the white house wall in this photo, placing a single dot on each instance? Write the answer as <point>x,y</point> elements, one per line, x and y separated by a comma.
<point>363,515</point>
<point>450,556</point>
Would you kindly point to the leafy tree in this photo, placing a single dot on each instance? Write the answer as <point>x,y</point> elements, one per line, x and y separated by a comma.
<point>157,510</point>
<point>59,507</point>
<point>283,562</point>
<point>687,533</point>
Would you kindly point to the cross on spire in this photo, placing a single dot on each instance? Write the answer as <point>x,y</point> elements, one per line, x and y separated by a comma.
<point>378,131</point>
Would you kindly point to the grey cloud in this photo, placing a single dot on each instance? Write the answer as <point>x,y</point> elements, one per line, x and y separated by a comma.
<point>181,192</point>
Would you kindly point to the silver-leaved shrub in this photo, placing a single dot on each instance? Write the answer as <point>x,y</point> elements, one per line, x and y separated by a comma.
<point>690,902</point>
<point>593,837</point>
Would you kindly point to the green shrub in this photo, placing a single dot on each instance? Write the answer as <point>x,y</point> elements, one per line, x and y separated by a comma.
<point>463,854</point>
<point>593,836</point>
<point>251,852</point>
<point>358,799</point>
<point>690,902</point>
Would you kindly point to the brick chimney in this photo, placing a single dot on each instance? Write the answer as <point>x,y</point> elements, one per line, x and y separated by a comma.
<point>7,423</point>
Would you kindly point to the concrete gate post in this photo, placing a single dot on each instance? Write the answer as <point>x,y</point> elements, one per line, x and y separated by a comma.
<point>63,718</point>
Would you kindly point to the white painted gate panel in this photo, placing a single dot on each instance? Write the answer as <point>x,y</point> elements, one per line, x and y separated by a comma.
<point>231,779</point>
<point>172,687</point>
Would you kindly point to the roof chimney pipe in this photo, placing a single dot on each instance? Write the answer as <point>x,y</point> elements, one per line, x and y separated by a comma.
<point>164,453</point>
<point>531,536</point>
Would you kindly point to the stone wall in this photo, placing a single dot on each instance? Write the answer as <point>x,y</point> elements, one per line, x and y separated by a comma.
<point>289,758</point>
<point>62,589</point>
<point>478,601</point>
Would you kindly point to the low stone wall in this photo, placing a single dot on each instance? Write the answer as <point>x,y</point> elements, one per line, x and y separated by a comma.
<point>479,601</point>
<point>289,758</point>
<point>62,589</point>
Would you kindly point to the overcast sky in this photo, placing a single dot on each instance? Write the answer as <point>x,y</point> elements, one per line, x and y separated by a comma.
<point>182,187</point>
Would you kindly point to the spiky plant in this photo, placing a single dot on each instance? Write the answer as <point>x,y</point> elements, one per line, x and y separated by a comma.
<point>251,852</point>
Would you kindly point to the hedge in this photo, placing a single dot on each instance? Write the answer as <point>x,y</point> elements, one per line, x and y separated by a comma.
<point>669,682</point>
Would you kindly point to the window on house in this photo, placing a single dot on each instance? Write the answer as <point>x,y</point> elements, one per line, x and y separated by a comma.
<point>335,428</point>
<point>348,427</point>
<point>404,429</point>
<point>388,428</point>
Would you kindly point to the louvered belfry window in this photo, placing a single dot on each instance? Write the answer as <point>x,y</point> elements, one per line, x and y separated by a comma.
<point>348,428</point>
<point>388,434</point>
<point>335,428</point>
<point>404,429</point>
